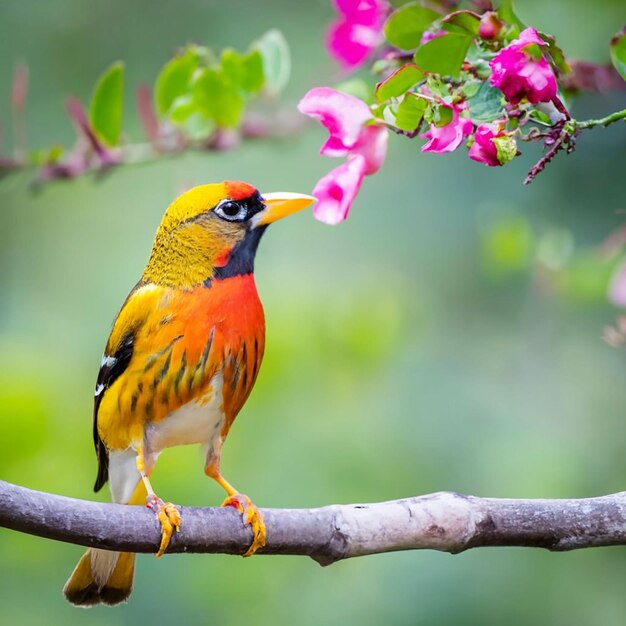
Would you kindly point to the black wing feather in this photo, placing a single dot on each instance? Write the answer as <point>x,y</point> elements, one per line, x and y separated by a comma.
<point>111,369</point>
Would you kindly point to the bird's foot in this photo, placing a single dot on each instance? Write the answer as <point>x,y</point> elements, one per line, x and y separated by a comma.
<point>169,518</point>
<point>251,517</point>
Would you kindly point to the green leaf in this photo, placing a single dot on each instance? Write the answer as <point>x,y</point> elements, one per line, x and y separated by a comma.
<point>274,52</point>
<point>246,70</point>
<point>182,108</point>
<point>471,88</point>
<point>437,87</point>
<point>487,104</point>
<point>107,101</point>
<point>442,116</point>
<point>540,116</point>
<point>558,57</point>
<point>410,112</point>
<point>197,127</point>
<point>356,87</point>
<point>405,27</point>
<point>378,111</point>
<point>443,55</point>
<point>618,52</point>
<point>505,12</point>
<point>506,148</point>
<point>479,61</point>
<point>462,22</point>
<point>534,51</point>
<point>174,80</point>
<point>398,83</point>
<point>218,98</point>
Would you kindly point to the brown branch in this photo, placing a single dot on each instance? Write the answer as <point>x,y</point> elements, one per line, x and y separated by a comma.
<point>444,521</point>
<point>593,77</point>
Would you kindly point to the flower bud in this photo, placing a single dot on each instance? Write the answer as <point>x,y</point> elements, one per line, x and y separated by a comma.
<point>490,25</point>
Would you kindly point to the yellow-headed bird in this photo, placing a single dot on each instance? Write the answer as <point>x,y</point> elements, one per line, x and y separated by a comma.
<point>181,360</point>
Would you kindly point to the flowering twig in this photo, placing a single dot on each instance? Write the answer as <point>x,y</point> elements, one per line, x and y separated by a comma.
<point>477,79</point>
<point>603,121</point>
<point>78,164</point>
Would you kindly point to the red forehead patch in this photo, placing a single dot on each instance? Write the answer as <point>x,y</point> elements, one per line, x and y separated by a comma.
<point>237,190</point>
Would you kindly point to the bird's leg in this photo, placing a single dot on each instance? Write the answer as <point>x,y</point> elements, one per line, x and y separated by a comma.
<point>250,514</point>
<point>166,512</point>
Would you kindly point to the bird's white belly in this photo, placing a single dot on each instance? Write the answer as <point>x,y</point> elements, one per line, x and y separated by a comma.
<point>199,421</point>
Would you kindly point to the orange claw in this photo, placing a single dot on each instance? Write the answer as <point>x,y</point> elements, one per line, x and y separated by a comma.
<point>169,518</point>
<point>251,516</point>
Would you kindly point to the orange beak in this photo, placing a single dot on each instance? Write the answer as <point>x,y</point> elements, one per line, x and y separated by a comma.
<point>281,204</point>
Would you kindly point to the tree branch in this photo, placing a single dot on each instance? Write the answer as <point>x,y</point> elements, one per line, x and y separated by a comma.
<point>444,521</point>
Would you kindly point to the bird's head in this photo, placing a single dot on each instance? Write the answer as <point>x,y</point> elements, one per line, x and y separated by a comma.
<point>212,232</point>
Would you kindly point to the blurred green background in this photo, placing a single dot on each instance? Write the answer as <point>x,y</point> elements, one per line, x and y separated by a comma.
<point>447,337</point>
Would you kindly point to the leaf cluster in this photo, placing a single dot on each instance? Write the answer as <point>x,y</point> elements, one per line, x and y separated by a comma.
<point>196,95</point>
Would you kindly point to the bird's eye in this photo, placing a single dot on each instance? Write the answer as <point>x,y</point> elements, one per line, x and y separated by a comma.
<point>231,211</point>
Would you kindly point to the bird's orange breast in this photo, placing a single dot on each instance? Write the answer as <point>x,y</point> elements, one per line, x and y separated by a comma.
<point>182,339</point>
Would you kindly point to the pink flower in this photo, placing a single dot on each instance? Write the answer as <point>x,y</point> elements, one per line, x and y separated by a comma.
<point>365,146</point>
<point>517,72</point>
<point>336,191</point>
<point>449,137</point>
<point>484,149</point>
<point>358,31</point>
<point>342,114</point>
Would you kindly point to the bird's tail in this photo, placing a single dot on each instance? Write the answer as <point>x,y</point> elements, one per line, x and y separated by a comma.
<point>103,576</point>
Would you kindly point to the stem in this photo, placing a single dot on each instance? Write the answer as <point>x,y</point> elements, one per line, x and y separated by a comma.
<point>18,109</point>
<point>567,131</point>
<point>604,121</point>
<point>561,108</point>
<point>564,139</point>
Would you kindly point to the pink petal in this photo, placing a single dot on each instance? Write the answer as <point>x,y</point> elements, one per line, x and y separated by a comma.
<point>370,12</point>
<point>519,76</point>
<point>336,191</point>
<point>466,126</point>
<point>372,145</point>
<point>540,81</point>
<point>351,44</point>
<point>449,137</point>
<point>341,114</point>
<point>528,36</point>
<point>617,288</point>
<point>483,149</point>
<point>359,30</point>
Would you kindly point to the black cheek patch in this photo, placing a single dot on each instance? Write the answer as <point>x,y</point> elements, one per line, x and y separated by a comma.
<point>241,258</point>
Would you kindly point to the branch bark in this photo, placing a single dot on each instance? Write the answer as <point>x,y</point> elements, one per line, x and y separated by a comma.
<point>444,521</point>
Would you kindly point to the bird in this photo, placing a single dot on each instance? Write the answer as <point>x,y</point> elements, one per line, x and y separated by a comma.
<point>182,357</point>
